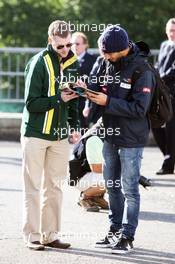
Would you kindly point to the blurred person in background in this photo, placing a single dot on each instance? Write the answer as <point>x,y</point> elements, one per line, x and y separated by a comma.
<point>86,62</point>
<point>86,169</point>
<point>165,135</point>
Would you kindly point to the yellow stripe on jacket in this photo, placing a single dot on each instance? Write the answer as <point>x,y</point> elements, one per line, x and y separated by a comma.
<point>51,92</point>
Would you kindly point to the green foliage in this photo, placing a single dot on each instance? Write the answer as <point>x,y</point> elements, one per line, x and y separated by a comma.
<point>25,22</point>
<point>143,19</point>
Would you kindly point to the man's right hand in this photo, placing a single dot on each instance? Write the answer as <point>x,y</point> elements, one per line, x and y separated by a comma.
<point>81,84</point>
<point>65,96</point>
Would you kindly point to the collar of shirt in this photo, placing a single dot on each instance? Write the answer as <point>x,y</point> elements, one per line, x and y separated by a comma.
<point>171,43</point>
<point>79,57</point>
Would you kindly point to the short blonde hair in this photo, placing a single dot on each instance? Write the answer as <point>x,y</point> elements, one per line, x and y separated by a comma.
<point>83,36</point>
<point>170,21</point>
<point>59,28</point>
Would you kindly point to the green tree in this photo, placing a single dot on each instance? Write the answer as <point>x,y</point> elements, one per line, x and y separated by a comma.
<point>143,19</point>
<point>25,22</point>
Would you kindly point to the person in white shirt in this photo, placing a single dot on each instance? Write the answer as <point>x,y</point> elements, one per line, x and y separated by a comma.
<point>91,184</point>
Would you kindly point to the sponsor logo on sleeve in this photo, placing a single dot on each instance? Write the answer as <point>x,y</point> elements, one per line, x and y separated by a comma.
<point>125,85</point>
<point>146,90</point>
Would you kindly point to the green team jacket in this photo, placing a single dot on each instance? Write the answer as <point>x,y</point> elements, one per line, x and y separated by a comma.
<point>45,115</point>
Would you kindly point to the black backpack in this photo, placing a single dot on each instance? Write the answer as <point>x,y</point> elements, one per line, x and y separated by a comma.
<point>160,111</point>
<point>79,166</point>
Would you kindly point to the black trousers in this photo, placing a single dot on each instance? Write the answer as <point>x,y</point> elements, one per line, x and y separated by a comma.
<point>165,139</point>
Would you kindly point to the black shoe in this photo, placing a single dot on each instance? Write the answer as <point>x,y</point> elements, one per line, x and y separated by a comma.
<point>58,244</point>
<point>145,182</point>
<point>163,171</point>
<point>109,241</point>
<point>123,246</point>
<point>36,245</point>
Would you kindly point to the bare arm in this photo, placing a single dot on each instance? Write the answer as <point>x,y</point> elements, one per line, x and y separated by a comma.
<point>96,168</point>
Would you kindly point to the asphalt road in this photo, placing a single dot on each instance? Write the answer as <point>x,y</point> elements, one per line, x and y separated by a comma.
<point>155,237</point>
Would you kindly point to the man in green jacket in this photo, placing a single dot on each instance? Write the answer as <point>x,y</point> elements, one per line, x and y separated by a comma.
<point>50,116</point>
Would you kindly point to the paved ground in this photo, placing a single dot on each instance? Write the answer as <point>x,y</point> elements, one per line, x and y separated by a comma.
<point>155,238</point>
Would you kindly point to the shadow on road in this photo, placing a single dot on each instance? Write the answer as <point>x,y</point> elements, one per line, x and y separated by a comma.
<point>138,256</point>
<point>11,161</point>
<point>158,182</point>
<point>9,190</point>
<point>153,216</point>
<point>166,179</point>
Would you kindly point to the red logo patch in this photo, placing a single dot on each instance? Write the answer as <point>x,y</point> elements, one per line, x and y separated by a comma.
<point>104,89</point>
<point>146,90</point>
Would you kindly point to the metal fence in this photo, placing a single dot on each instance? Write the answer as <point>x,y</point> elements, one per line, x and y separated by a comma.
<point>12,64</point>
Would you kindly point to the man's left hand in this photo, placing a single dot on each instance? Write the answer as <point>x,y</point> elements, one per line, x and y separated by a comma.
<point>100,98</point>
<point>66,96</point>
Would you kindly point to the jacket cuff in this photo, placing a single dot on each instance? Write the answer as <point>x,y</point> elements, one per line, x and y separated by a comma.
<point>107,101</point>
<point>55,100</point>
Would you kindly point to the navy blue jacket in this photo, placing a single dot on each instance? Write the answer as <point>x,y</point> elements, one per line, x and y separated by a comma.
<point>86,63</point>
<point>85,66</point>
<point>128,100</point>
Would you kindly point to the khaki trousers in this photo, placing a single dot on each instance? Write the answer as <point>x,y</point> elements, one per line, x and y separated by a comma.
<point>44,171</point>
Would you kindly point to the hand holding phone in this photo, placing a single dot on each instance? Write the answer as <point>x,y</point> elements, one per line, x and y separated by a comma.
<point>77,88</point>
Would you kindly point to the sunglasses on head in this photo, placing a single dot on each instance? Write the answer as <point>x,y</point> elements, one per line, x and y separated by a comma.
<point>69,45</point>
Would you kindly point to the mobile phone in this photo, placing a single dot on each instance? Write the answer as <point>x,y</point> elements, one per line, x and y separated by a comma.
<point>91,91</point>
<point>67,91</point>
<point>79,90</point>
<point>66,87</point>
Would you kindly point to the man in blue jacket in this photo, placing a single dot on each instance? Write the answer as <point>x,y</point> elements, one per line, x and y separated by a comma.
<point>125,102</point>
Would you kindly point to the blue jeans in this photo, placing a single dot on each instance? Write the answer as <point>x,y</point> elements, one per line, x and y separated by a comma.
<point>121,173</point>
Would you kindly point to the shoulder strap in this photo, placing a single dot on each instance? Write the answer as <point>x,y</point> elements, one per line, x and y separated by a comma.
<point>79,149</point>
<point>139,70</point>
